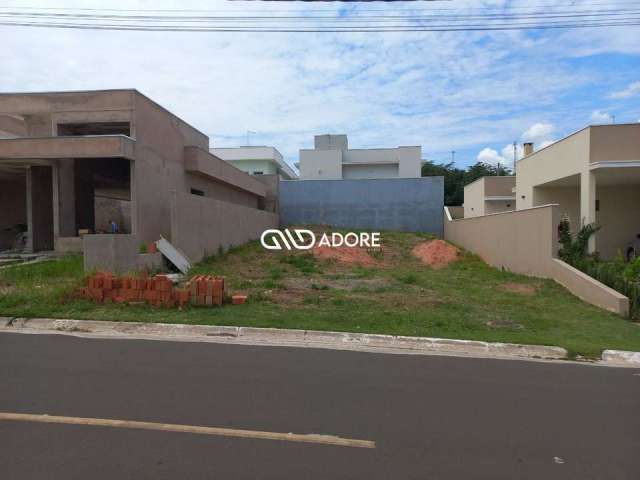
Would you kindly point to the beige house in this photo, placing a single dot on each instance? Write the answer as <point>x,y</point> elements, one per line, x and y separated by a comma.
<point>489,195</point>
<point>593,175</point>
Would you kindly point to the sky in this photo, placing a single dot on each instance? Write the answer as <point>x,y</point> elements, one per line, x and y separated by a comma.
<point>474,93</point>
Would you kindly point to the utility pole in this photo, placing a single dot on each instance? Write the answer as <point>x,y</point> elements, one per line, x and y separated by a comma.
<point>249,132</point>
<point>613,119</point>
<point>453,156</point>
<point>515,155</point>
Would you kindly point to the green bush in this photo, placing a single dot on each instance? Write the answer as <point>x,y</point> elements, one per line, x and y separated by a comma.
<point>622,277</point>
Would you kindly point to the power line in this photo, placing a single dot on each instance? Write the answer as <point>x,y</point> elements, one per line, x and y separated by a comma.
<point>570,18</point>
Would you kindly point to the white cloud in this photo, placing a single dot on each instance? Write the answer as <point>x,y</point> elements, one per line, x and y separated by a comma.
<point>538,133</point>
<point>632,90</point>
<point>599,117</point>
<point>490,157</point>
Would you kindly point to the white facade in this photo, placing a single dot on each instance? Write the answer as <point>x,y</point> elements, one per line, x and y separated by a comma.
<point>257,161</point>
<point>331,159</point>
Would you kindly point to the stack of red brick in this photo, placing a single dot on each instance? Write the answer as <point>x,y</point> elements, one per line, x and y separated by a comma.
<point>158,290</point>
<point>206,290</point>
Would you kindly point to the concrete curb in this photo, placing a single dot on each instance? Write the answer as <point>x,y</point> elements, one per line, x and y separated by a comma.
<point>621,357</point>
<point>283,337</point>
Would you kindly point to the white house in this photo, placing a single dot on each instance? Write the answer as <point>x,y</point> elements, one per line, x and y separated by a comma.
<point>257,161</point>
<point>331,159</point>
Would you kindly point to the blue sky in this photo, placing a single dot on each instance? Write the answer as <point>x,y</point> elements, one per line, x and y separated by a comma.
<point>472,92</point>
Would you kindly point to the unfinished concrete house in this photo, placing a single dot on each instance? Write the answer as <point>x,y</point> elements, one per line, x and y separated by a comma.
<point>76,166</point>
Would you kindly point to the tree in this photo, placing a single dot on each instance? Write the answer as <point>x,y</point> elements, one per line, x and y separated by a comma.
<point>455,179</point>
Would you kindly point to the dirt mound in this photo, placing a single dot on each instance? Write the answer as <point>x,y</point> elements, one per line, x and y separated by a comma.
<point>436,253</point>
<point>521,288</point>
<point>350,255</point>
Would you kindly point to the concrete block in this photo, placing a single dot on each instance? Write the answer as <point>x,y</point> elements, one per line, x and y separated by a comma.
<point>5,321</point>
<point>383,341</point>
<point>272,334</point>
<point>316,336</point>
<point>149,261</point>
<point>19,322</point>
<point>460,346</point>
<point>621,357</point>
<point>414,343</point>
<point>539,351</point>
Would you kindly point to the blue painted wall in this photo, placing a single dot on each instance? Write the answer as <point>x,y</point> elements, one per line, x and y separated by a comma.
<point>403,204</point>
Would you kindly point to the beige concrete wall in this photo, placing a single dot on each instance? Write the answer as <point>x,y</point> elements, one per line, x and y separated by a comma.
<point>615,143</point>
<point>499,186</point>
<point>588,289</point>
<point>525,241</point>
<point>454,212</point>
<point>567,199</point>
<point>521,241</point>
<point>200,225</point>
<point>474,199</point>
<point>495,206</point>
<point>619,217</point>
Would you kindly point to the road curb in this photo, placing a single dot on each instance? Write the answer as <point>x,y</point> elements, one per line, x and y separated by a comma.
<point>621,357</point>
<point>285,337</point>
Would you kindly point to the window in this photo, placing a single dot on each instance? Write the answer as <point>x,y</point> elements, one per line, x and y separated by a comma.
<point>95,128</point>
<point>194,191</point>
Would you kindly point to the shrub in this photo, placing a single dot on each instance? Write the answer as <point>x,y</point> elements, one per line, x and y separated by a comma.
<point>574,248</point>
<point>624,278</point>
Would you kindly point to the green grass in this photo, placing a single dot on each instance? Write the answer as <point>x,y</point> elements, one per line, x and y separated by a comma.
<point>398,295</point>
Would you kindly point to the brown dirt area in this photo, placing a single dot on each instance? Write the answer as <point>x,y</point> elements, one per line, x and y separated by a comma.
<point>436,253</point>
<point>348,255</point>
<point>520,288</point>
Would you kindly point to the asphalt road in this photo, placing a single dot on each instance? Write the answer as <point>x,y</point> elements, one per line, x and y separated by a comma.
<point>430,417</point>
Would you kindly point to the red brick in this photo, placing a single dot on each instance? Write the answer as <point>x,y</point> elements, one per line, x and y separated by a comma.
<point>150,295</point>
<point>238,299</point>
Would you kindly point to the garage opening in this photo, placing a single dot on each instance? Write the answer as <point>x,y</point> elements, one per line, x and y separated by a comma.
<point>102,198</point>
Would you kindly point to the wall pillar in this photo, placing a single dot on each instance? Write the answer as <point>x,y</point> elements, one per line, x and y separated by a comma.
<point>66,219</point>
<point>588,204</point>
<point>84,196</point>
<point>39,209</point>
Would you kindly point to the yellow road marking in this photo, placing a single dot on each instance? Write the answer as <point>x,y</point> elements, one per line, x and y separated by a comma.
<point>169,427</point>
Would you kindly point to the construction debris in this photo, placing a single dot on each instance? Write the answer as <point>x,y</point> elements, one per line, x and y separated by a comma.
<point>175,256</point>
<point>158,290</point>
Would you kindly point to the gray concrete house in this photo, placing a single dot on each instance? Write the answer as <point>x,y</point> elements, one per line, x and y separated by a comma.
<point>72,162</point>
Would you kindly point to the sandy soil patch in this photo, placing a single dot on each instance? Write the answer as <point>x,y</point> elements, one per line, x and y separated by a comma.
<point>436,253</point>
